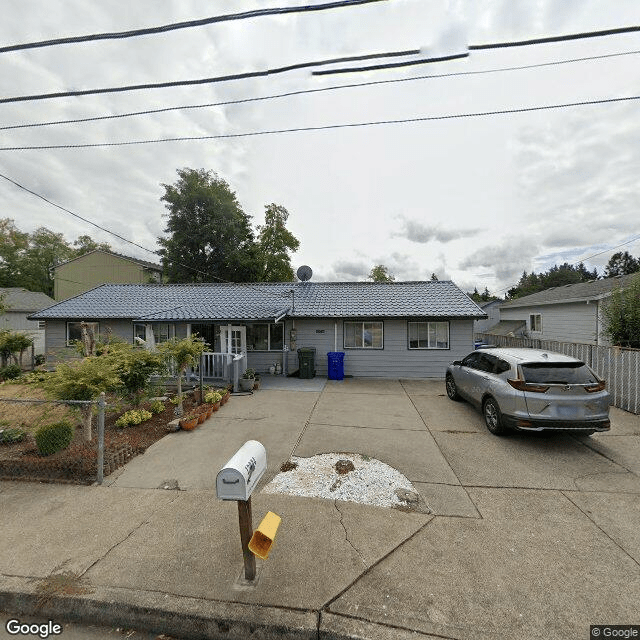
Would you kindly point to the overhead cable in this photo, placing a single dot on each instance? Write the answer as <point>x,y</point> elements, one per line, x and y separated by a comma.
<point>198,81</point>
<point>135,244</point>
<point>116,35</point>
<point>390,65</point>
<point>351,125</point>
<point>299,92</point>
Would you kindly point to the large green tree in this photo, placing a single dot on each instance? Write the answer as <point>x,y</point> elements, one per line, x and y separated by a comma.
<point>210,236</point>
<point>621,264</point>
<point>13,244</point>
<point>275,242</point>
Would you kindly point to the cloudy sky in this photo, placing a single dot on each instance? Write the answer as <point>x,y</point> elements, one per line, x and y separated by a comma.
<point>476,200</point>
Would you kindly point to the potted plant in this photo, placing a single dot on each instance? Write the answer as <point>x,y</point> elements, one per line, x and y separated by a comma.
<point>248,380</point>
<point>189,421</point>
<point>213,398</point>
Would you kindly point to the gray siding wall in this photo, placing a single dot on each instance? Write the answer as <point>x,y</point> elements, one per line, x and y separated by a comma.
<point>566,322</point>
<point>394,360</point>
<point>56,334</point>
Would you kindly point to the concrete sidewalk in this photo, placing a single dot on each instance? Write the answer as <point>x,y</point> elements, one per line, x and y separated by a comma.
<point>529,537</point>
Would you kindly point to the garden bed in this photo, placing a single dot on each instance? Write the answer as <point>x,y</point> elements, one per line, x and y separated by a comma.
<point>78,462</point>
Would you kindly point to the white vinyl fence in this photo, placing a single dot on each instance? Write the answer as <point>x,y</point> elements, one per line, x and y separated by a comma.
<point>619,366</point>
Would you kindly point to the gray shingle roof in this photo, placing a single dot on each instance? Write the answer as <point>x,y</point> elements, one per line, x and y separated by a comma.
<point>592,290</point>
<point>267,300</point>
<point>22,300</point>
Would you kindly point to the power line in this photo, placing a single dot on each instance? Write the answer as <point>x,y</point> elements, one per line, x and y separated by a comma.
<point>199,81</point>
<point>390,65</point>
<point>562,38</point>
<point>135,244</point>
<point>351,125</point>
<point>115,35</point>
<point>316,90</point>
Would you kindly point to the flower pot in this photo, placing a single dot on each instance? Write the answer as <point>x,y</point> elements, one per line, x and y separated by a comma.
<point>215,406</point>
<point>202,416</point>
<point>246,384</point>
<point>188,424</point>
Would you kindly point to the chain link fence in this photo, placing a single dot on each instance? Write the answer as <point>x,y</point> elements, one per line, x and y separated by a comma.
<point>82,461</point>
<point>618,366</point>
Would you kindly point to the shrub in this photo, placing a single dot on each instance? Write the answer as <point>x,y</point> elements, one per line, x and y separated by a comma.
<point>157,406</point>
<point>39,359</point>
<point>33,377</point>
<point>11,436</point>
<point>11,372</point>
<point>212,397</point>
<point>135,416</point>
<point>51,438</point>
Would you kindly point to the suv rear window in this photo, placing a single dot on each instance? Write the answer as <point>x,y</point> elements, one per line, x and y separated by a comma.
<point>558,373</point>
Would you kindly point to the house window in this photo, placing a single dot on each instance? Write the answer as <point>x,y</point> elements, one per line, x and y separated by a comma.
<point>428,335</point>
<point>363,335</point>
<point>535,322</point>
<point>74,332</point>
<point>162,331</point>
<point>265,337</point>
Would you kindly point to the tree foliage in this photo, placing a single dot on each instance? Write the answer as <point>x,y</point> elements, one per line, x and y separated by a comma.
<point>621,264</point>
<point>556,276</point>
<point>380,273</point>
<point>27,259</point>
<point>621,315</point>
<point>13,344</point>
<point>275,242</point>
<point>210,237</point>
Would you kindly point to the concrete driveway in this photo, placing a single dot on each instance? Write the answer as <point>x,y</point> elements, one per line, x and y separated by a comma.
<point>530,536</point>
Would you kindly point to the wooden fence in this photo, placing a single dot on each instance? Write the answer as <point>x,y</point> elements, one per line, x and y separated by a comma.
<point>619,366</point>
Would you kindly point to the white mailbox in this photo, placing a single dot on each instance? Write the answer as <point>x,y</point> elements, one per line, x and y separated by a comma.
<point>239,477</point>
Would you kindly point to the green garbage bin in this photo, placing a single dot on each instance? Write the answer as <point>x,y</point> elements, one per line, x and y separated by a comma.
<point>307,362</point>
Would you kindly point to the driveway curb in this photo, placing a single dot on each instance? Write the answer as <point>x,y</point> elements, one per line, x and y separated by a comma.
<point>187,617</point>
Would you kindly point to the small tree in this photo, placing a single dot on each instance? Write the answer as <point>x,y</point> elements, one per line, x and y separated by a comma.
<point>622,315</point>
<point>182,354</point>
<point>134,367</point>
<point>13,344</point>
<point>380,273</point>
<point>83,380</point>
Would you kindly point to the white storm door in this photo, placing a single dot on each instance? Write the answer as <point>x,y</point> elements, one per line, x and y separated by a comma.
<point>233,339</point>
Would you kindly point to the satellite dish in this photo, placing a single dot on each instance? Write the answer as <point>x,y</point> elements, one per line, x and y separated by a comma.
<point>304,273</point>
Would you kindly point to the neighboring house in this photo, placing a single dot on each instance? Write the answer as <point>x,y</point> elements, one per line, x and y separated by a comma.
<point>99,267</point>
<point>400,329</point>
<point>492,309</point>
<point>20,304</point>
<point>572,313</point>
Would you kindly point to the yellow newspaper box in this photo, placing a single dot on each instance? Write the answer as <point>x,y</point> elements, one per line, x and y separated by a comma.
<point>263,537</point>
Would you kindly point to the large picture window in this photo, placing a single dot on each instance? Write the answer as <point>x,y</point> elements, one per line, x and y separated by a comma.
<point>265,337</point>
<point>74,332</point>
<point>162,331</point>
<point>363,335</point>
<point>428,335</point>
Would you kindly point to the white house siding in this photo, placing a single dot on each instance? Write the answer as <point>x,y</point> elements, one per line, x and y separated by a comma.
<point>17,321</point>
<point>565,322</point>
<point>394,360</point>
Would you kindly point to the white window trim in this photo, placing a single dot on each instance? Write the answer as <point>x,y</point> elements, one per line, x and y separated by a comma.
<point>428,322</point>
<point>535,322</point>
<point>362,322</point>
<point>269,325</point>
<point>96,333</point>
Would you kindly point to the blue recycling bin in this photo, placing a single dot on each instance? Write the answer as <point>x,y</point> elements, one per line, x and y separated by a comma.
<point>336,365</point>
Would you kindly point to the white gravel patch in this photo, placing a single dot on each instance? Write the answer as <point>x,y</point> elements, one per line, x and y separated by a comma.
<point>371,482</point>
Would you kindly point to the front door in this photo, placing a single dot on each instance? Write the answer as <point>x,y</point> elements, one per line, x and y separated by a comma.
<point>233,339</point>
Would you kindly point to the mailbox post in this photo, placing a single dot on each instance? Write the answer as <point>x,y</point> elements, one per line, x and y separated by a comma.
<point>236,481</point>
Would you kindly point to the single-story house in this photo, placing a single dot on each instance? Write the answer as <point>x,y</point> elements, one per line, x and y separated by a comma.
<point>20,304</point>
<point>571,313</point>
<point>399,329</point>
<point>98,267</point>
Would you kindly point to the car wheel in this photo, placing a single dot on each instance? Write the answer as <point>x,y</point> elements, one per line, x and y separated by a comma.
<point>493,417</point>
<point>452,390</point>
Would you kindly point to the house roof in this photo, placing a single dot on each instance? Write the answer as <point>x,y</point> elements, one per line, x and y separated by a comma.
<point>267,301</point>
<point>18,299</point>
<point>579,292</point>
<point>143,263</point>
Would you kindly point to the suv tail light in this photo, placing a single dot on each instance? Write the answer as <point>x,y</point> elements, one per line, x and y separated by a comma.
<point>592,388</point>
<point>521,385</point>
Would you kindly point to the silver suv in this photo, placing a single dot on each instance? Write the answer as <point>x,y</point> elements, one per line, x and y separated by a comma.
<point>530,390</point>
